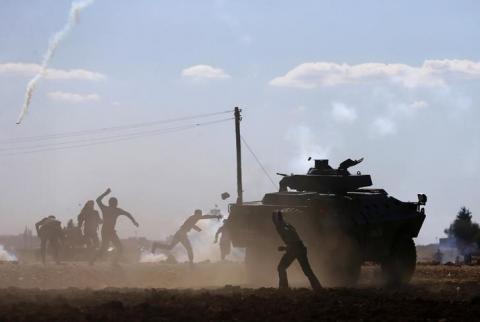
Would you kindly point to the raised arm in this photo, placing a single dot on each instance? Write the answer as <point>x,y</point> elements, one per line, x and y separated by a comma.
<point>277,220</point>
<point>211,217</point>
<point>128,215</point>
<point>99,199</point>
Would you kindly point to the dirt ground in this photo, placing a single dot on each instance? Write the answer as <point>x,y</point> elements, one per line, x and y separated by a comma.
<point>217,292</point>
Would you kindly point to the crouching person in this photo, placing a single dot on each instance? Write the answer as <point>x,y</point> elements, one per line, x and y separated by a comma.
<point>49,230</point>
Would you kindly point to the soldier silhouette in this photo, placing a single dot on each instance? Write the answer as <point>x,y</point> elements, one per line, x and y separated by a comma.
<point>89,220</point>
<point>181,235</point>
<point>110,214</point>
<point>294,249</point>
<point>225,240</point>
<point>49,230</point>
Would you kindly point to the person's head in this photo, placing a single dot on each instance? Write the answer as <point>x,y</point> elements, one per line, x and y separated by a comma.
<point>89,204</point>
<point>51,217</point>
<point>197,212</point>
<point>113,202</point>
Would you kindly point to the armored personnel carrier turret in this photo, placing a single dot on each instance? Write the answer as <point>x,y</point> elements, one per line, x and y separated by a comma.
<point>342,223</point>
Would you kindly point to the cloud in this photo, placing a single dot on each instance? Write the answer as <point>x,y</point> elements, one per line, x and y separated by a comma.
<point>432,73</point>
<point>53,74</point>
<point>72,97</point>
<point>342,113</point>
<point>204,72</point>
<point>384,126</point>
<point>402,109</point>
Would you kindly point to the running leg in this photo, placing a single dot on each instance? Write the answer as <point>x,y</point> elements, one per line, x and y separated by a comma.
<point>285,262</point>
<point>188,246</point>
<point>307,270</point>
<point>118,247</point>
<point>43,249</point>
<point>103,248</point>
<point>175,241</point>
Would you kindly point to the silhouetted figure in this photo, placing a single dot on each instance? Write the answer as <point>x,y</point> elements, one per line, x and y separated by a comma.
<point>49,230</point>
<point>110,214</point>
<point>181,235</point>
<point>89,221</point>
<point>225,240</point>
<point>295,249</point>
<point>73,237</point>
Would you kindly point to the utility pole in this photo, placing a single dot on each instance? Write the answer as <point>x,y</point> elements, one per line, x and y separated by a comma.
<point>238,142</point>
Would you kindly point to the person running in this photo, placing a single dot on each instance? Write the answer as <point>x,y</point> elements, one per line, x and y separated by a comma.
<point>225,240</point>
<point>110,214</point>
<point>294,250</point>
<point>89,221</point>
<point>49,230</point>
<point>181,235</point>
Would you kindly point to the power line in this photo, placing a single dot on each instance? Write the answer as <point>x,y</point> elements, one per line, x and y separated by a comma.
<point>55,147</point>
<point>112,139</point>
<point>107,129</point>
<point>258,161</point>
<point>118,136</point>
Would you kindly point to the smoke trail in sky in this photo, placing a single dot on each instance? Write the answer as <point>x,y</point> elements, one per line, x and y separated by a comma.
<point>73,15</point>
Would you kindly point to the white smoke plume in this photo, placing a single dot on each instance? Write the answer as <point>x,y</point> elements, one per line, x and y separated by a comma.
<point>147,257</point>
<point>6,256</point>
<point>75,9</point>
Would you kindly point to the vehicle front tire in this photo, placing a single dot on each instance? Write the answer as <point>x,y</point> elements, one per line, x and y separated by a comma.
<point>399,266</point>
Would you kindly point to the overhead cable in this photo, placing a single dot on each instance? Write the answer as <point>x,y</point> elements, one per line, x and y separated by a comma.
<point>107,129</point>
<point>85,142</point>
<point>258,161</point>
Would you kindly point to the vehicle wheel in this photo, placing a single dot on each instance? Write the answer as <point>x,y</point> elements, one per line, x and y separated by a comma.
<point>399,267</point>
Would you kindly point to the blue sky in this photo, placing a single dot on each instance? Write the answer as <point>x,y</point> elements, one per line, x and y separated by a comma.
<point>314,78</point>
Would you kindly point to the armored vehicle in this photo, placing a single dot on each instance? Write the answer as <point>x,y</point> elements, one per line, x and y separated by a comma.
<point>342,223</point>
